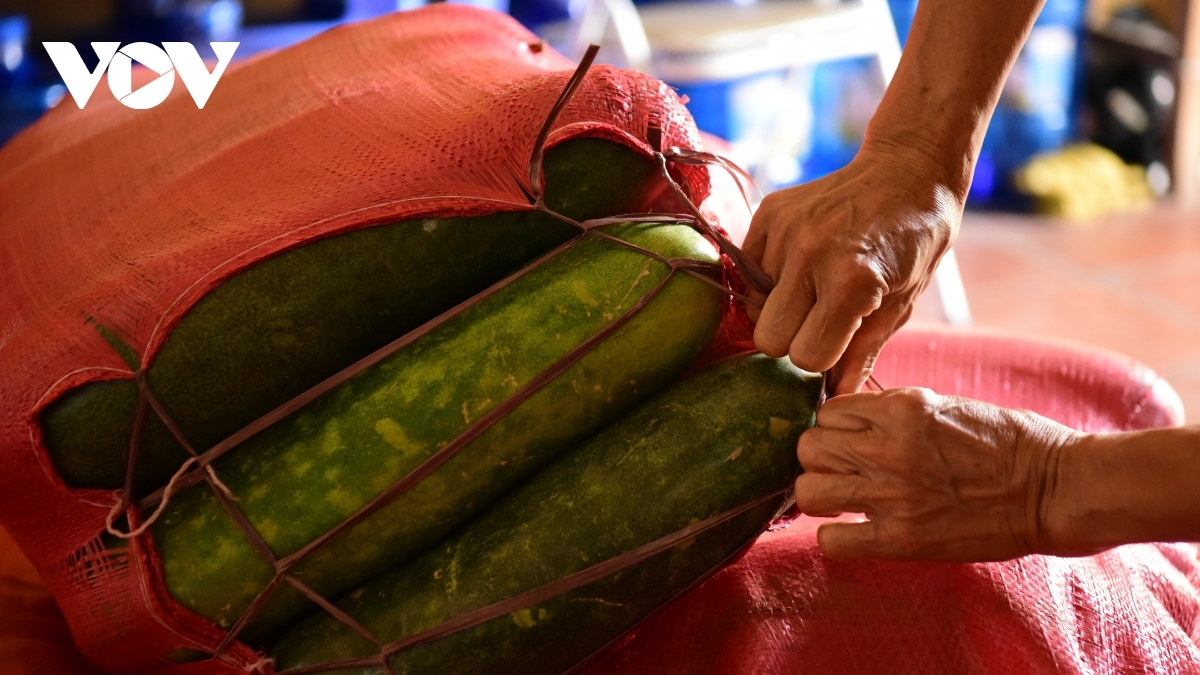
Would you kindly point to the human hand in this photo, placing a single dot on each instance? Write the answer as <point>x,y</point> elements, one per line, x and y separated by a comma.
<point>850,253</point>
<point>938,477</point>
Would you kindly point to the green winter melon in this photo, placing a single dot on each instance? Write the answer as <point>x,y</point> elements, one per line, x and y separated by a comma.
<point>704,446</point>
<point>276,329</point>
<point>314,469</point>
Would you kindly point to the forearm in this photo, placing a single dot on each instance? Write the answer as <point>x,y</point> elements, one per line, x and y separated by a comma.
<point>1107,490</point>
<point>851,252</point>
<point>958,55</point>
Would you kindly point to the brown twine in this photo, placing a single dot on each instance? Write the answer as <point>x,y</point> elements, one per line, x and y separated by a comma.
<point>167,420</point>
<point>431,464</point>
<point>480,426</point>
<point>698,158</point>
<point>121,505</point>
<point>537,179</point>
<point>261,665</point>
<point>147,399</point>
<point>187,476</point>
<point>135,439</point>
<point>696,268</point>
<point>754,274</point>
<point>331,608</point>
<point>215,452</point>
<point>542,593</point>
<point>785,505</point>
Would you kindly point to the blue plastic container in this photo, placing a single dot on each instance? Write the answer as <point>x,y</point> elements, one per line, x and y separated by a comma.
<point>903,12</point>
<point>22,101</point>
<point>535,13</point>
<point>733,109</point>
<point>767,117</point>
<point>749,76</point>
<point>494,5</point>
<point>198,22</point>
<point>1036,111</point>
<point>838,100</point>
<point>1037,108</point>
<point>845,95</point>
<point>16,67</point>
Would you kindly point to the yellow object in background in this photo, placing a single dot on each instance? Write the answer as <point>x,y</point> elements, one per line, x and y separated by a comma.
<point>1084,181</point>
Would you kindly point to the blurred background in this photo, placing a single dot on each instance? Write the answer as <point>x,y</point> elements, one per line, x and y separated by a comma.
<point>1082,220</point>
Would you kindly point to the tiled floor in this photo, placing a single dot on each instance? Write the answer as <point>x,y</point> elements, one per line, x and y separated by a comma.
<point>1129,283</point>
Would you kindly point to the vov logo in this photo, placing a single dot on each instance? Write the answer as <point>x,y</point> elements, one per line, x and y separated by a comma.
<point>171,58</point>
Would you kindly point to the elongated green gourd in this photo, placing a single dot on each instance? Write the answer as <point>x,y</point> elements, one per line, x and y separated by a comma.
<point>279,327</point>
<point>309,472</point>
<point>712,443</point>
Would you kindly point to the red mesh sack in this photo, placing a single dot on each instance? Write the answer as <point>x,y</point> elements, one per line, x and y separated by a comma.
<point>130,217</point>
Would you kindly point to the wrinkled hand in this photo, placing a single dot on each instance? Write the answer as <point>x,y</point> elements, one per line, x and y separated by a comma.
<point>850,253</point>
<point>938,477</point>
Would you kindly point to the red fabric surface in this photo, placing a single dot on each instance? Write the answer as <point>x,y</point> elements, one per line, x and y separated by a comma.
<point>34,639</point>
<point>1083,387</point>
<point>127,217</point>
<point>784,608</point>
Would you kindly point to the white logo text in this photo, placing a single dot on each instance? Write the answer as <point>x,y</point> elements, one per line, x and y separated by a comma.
<point>171,58</point>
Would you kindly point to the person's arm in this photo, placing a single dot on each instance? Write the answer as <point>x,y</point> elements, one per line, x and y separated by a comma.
<point>852,251</point>
<point>1108,490</point>
<point>946,478</point>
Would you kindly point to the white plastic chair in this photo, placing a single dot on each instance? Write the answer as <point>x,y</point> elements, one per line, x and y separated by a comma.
<point>682,41</point>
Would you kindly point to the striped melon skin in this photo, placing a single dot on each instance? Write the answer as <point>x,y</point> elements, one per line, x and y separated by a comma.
<point>309,472</point>
<point>278,328</point>
<point>716,441</point>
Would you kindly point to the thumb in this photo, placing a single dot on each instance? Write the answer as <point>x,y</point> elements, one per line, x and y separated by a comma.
<point>847,541</point>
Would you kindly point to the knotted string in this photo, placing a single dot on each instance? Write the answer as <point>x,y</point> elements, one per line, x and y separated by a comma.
<point>198,467</point>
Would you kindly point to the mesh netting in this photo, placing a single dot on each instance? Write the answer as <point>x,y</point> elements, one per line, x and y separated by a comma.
<point>175,202</point>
